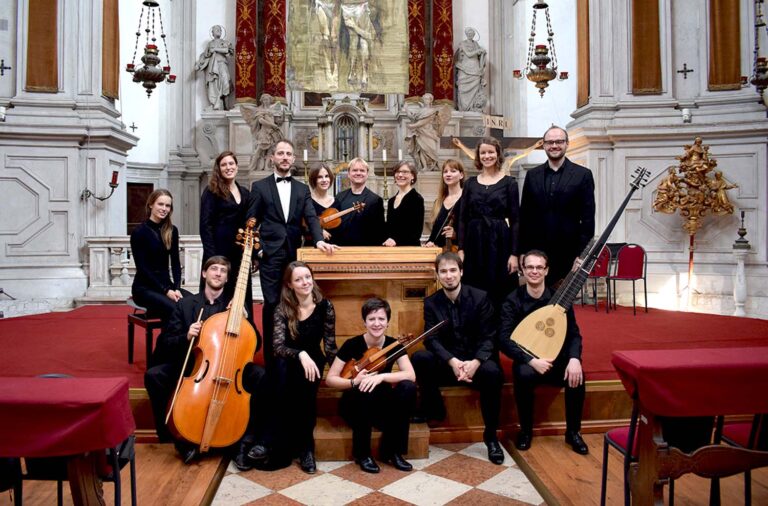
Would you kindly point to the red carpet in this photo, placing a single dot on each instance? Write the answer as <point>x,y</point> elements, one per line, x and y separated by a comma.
<point>91,341</point>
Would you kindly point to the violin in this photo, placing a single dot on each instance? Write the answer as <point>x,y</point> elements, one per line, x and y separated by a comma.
<point>448,222</point>
<point>331,218</point>
<point>211,407</point>
<point>375,359</point>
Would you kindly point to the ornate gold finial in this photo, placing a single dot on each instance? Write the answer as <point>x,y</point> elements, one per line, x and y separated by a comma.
<point>690,188</point>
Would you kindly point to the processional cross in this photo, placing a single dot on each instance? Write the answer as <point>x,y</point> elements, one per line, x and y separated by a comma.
<point>495,126</point>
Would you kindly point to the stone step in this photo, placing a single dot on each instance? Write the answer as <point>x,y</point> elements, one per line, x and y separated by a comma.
<point>333,440</point>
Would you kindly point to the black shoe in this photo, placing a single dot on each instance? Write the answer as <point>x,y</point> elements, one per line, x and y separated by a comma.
<point>368,465</point>
<point>577,443</point>
<point>307,462</point>
<point>495,453</point>
<point>258,453</point>
<point>523,441</point>
<point>419,418</point>
<point>399,463</point>
<point>187,452</point>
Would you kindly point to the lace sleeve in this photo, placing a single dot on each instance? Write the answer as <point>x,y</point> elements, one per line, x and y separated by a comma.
<point>280,335</point>
<point>329,333</point>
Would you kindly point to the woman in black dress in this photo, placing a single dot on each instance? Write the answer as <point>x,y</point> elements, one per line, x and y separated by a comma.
<point>155,247</point>
<point>448,197</point>
<point>303,320</point>
<point>488,225</point>
<point>385,399</point>
<point>320,184</point>
<point>405,211</point>
<point>223,208</point>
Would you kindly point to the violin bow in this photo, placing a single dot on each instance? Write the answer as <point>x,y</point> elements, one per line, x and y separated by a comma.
<point>415,340</point>
<point>183,368</point>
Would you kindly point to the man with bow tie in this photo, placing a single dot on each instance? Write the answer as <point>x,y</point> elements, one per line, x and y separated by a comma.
<point>280,203</point>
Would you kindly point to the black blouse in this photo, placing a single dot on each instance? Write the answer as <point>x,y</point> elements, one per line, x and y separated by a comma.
<point>406,221</point>
<point>152,258</point>
<point>437,226</point>
<point>320,326</point>
<point>219,221</point>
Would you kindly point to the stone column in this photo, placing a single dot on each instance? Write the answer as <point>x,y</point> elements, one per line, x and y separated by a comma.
<point>741,249</point>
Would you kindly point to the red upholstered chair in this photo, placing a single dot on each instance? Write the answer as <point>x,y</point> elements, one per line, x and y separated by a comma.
<point>631,264</point>
<point>601,269</point>
<point>139,317</point>
<point>619,439</point>
<point>747,435</point>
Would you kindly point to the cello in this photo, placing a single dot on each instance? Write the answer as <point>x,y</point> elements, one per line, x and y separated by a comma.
<point>211,407</point>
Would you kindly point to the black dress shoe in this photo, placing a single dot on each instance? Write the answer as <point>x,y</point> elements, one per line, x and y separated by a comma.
<point>399,463</point>
<point>495,453</point>
<point>258,453</point>
<point>368,465</point>
<point>523,441</point>
<point>242,462</point>
<point>307,462</point>
<point>577,443</point>
<point>187,452</point>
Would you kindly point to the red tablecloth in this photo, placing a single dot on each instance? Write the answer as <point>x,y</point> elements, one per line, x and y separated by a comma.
<point>46,417</point>
<point>696,382</point>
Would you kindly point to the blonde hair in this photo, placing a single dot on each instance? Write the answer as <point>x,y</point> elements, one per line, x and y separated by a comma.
<point>442,191</point>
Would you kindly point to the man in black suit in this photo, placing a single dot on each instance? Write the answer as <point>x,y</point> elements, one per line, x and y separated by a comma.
<point>557,212</point>
<point>462,352</point>
<point>364,228</point>
<point>280,204</point>
<point>167,360</point>
<point>528,371</point>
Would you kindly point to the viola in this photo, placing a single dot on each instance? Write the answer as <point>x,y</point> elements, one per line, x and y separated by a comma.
<point>375,359</point>
<point>211,407</point>
<point>331,218</point>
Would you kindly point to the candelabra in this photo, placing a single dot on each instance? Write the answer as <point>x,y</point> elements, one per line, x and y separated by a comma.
<point>112,184</point>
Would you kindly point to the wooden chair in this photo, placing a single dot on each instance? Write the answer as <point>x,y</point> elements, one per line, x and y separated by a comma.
<point>748,435</point>
<point>601,269</point>
<point>139,317</point>
<point>631,265</point>
<point>619,439</point>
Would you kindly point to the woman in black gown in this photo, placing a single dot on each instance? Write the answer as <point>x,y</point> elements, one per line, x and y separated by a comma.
<point>155,246</point>
<point>447,201</point>
<point>488,225</point>
<point>405,211</point>
<point>303,320</point>
<point>320,184</point>
<point>223,208</point>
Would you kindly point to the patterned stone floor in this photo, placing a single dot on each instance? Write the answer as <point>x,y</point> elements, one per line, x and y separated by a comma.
<point>454,474</point>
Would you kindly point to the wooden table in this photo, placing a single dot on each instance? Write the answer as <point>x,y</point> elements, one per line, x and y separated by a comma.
<point>694,382</point>
<point>75,417</point>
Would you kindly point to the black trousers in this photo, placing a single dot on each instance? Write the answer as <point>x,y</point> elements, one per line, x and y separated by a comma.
<point>158,304</point>
<point>432,372</point>
<point>389,408</point>
<point>271,268</point>
<point>160,382</point>
<point>296,420</point>
<point>526,379</point>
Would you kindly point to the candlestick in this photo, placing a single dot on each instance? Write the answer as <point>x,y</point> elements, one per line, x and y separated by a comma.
<point>385,192</point>
<point>114,178</point>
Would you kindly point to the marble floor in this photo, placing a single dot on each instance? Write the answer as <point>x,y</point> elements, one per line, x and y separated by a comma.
<point>453,474</point>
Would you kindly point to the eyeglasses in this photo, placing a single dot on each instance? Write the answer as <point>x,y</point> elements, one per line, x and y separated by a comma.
<point>535,267</point>
<point>556,142</point>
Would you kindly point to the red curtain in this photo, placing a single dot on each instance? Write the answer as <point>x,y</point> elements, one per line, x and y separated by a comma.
<point>245,52</point>
<point>442,49</point>
<point>274,48</point>
<point>417,54</point>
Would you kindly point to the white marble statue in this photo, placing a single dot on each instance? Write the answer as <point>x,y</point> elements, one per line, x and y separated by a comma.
<point>214,62</point>
<point>265,121</point>
<point>422,139</point>
<point>470,61</point>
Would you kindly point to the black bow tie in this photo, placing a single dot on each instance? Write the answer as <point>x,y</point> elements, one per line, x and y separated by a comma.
<point>286,179</point>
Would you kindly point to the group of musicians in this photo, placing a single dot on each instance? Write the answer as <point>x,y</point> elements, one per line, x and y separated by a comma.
<point>487,237</point>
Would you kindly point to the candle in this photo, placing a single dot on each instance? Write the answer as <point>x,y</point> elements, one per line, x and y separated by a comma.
<point>305,155</point>
<point>399,154</point>
<point>384,155</point>
<point>114,178</point>
<point>517,74</point>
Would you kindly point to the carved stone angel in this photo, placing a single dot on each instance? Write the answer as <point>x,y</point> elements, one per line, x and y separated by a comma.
<point>265,123</point>
<point>423,133</point>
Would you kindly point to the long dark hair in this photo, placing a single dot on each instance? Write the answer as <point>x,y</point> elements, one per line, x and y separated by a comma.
<point>442,190</point>
<point>217,185</point>
<point>289,304</point>
<point>491,141</point>
<point>166,226</point>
